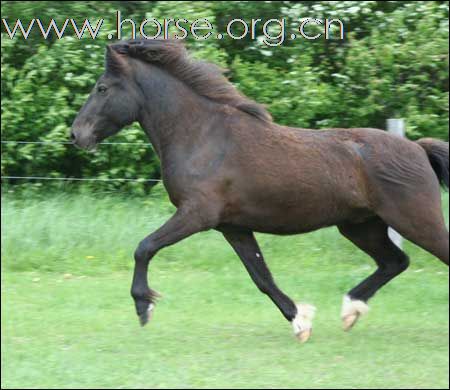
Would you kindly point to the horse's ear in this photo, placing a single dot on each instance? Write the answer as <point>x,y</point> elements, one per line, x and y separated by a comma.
<point>115,59</point>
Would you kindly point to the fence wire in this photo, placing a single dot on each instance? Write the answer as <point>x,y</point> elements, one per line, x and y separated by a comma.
<point>91,179</point>
<point>79,178</point>
<point>70,143</point>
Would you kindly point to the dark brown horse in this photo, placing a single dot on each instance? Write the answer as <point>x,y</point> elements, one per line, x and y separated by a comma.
<point>214,145</point>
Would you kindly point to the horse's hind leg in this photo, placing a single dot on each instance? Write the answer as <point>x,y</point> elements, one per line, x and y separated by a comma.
<point>372,237</point>
<point>245,245</point>
<point>419,218</point>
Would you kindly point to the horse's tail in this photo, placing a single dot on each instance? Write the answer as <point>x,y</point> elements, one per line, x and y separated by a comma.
<point>437,152</point>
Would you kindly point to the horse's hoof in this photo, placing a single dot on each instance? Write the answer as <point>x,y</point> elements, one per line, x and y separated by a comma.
<point>349,321</point>
<point>304,336</point>
<point>302,323</point>
<point>146,315</point>
<point>352,310</point>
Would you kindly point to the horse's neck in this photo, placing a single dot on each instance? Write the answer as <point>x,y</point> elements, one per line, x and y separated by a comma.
<point>173,116</point>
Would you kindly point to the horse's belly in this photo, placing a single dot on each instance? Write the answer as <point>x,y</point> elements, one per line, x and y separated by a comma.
<point>293,214</point>
<point>297,220</point>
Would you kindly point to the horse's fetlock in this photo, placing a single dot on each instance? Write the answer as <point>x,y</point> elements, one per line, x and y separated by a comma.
<point>139,293</point>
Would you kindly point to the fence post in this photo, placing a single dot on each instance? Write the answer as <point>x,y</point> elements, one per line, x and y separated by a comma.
<point>396,127</point>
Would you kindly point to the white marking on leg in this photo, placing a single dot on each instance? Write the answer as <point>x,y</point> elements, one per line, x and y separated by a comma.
<point>352,309</point>
<point>353,306</point>
<point>302,323</point>
<point>150,308</point>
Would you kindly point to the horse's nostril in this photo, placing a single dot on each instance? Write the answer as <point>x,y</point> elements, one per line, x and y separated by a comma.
<point>72,136</point>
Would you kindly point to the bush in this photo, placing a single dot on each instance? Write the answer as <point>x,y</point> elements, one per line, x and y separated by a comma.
<point>392,63</point>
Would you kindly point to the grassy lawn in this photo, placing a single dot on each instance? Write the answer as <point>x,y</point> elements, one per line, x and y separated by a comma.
<point>68,320</point>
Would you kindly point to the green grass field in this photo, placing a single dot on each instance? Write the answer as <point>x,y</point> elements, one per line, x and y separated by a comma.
<point>68,320</point>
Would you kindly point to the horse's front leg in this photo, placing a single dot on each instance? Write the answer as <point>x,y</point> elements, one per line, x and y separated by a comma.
<point>185,222</point>
<point>244,243</point>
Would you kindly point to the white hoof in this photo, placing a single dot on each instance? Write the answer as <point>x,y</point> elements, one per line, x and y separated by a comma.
<point>352,309</point>
<point>302,323</point>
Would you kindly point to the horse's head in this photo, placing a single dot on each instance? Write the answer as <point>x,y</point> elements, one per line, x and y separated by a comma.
<point>113,103</point>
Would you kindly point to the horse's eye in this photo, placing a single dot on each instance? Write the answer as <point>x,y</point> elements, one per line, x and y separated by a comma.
<point>101,89</point>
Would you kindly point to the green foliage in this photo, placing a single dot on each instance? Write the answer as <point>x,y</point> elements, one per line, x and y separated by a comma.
<point>392,63</point>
